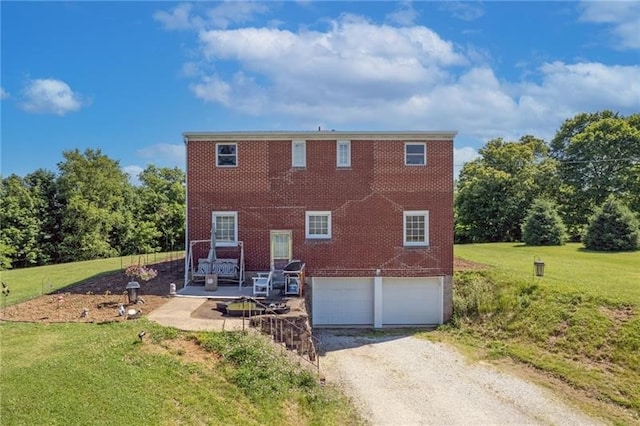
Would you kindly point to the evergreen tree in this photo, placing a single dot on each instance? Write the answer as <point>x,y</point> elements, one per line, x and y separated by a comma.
<point>543,225</point>
<point>612,228</point>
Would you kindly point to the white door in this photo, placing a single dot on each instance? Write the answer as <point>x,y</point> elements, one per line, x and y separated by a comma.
<point>411,301</point>
<point>342,301</point>
<point>280,248</point>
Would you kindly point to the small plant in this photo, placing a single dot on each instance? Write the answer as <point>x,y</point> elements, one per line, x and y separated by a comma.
<point>140,272</point>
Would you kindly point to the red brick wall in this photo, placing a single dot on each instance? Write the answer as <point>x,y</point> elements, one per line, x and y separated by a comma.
<point>367,202</point>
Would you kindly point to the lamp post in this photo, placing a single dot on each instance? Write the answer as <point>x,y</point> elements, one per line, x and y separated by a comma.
<point>538,268</point>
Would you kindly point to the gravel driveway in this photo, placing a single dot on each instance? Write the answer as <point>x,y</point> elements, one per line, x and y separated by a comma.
<point>401,380</point>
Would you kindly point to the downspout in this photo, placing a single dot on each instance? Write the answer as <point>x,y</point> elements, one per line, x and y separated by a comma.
<point>186,206</point>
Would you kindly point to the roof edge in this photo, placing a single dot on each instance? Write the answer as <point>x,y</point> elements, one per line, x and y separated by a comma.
<point>318,135</point>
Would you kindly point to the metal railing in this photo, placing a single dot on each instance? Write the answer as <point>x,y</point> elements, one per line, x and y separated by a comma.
<point>287,333</point>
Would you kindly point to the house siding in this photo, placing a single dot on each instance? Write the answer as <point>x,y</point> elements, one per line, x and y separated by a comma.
<point>366,201</point>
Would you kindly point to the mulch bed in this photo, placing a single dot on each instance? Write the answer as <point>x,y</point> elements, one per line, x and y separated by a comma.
<point>100,296</point>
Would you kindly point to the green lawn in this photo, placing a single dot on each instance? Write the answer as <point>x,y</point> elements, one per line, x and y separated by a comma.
<point>27,283</point>
<point>568,268</point>
<point>579,323</point>
<point>103,374</point>
<point>88,374</point>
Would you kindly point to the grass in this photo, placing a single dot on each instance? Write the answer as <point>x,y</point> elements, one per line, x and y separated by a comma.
<point>568,268</point>
<point>27,283</point>
<point>102,374</point>
<point>580,323</point>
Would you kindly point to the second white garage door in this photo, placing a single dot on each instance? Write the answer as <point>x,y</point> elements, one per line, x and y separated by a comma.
<point>411,301</point>
<point>342,301</point>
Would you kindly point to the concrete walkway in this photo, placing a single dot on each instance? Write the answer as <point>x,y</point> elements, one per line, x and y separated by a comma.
<point>177,313</point>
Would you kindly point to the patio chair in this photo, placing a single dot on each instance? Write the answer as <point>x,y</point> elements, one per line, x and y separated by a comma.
<point>262,284</point>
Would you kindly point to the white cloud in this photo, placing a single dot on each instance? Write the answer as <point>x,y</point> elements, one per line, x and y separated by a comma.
<point>622,16</point>
<point>50,96</point>
<point>223,15</point>
<point>3,93</point>
<point>234,12</point>
<point>359,74</point>
<point>461,156</point>
<point>179,18</point>
<point>164,154</point>
<point>405,14</point>
<point>465,11</point>
<point>353,62</point>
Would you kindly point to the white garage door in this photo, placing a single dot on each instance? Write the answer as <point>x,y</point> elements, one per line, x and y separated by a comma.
<point>342,301</point>
<point>411,301</point>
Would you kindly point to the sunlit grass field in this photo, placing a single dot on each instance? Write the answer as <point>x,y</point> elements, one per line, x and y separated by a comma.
<point>568,268</point>
<point>103,374</point>
<point>579,322</point>
<point>27,283</point>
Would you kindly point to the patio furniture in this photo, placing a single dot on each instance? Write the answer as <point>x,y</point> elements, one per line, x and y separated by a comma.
<point>262,283</point>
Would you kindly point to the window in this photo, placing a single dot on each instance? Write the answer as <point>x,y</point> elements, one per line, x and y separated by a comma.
<point>226,154</point>
<point>318,225</point>
<point>343,153</point>
<point>226,226</point>
<point>416,228</point>
<point>415,154</point>
<point>298,154</point>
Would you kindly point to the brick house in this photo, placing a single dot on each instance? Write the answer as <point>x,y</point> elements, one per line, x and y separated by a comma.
<point>369,213</point>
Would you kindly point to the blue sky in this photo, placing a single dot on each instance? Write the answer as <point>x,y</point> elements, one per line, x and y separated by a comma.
<point>130,77</point>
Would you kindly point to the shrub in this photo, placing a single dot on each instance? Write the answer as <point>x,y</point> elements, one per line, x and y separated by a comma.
<point>543,226</point>
<point>613,227</point>
<point>140,272</point>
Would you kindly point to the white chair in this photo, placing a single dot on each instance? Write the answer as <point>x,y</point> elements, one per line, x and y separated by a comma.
<point>262,284</point>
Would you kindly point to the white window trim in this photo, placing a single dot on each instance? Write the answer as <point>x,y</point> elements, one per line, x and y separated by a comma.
<point>424,213</point>
<point>233,243</point>
<point>346,143</point>
<point>424,154</point>
<point>302,143</point>
<point>307,215</point>
<point>226,143</point>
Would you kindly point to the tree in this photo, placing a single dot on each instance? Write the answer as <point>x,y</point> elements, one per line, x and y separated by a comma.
<point>598,155</point>
<point>163,196</point>
<point>495,190</point>
<point>43,185</point>
<point>612,228</point>
<point>20,223</point>
<point>97,199</point>
<point>543,225</point>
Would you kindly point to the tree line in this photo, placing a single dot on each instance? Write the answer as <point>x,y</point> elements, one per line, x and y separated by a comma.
<point>525,190</point>
<point>590,168</point>
<point>89,209</point>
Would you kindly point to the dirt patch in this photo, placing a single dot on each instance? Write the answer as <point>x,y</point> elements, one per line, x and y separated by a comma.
<point>100,297</point>
<point>467,265</point>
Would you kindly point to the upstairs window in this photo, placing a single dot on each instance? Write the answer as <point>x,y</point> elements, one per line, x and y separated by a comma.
<point>416,228</point>
<point>415,154</point>
<point>318,225</point>
<point>226,226</point>
<point>298,153</point>
<point>226,154</point>
<point>343,153</point>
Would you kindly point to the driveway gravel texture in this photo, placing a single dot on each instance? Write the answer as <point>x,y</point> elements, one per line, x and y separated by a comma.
<point>404,380</point>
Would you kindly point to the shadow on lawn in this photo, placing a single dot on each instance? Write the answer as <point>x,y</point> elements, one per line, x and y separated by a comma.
<point>115,282</point>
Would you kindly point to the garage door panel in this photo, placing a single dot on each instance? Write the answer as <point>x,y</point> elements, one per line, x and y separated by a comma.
<point>411,301</point>
<point>342,301</point>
